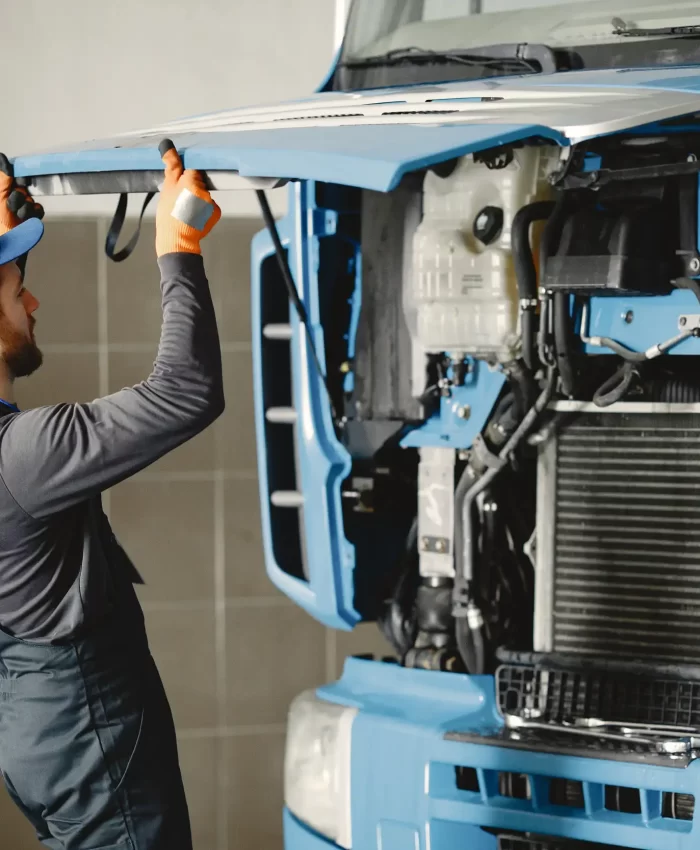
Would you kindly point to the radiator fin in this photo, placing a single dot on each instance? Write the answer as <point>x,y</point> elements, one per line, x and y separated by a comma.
<point>627,537</point>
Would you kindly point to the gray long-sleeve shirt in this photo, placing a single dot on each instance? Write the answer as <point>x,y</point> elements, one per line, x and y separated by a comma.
<point>57,551</point>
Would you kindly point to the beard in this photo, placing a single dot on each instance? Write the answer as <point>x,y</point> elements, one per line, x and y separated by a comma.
<point>22,356</point>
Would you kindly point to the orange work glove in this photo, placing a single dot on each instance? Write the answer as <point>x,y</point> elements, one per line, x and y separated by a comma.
<point>16,204</point>
<point>186,211</point>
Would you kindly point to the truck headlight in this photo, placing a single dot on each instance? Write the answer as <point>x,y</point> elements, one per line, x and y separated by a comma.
<point>317,766</point>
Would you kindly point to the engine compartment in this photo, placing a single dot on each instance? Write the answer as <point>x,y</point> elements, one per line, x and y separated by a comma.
<point>517,503</point>
<point>511,346</point>
<point>519,396</point>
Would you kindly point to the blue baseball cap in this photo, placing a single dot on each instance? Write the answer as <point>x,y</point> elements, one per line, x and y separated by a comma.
<point>21,239</point>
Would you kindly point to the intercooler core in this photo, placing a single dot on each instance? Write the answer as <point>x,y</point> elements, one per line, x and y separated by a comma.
<point>618,533</point>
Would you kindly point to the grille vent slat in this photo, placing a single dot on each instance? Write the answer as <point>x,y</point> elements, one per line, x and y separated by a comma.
<point>627,537</point>
<point>517,842</point>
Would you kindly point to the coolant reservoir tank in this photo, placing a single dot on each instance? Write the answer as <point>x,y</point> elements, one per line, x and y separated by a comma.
<point>461,294</point>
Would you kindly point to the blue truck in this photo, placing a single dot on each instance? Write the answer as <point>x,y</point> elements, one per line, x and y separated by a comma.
<point>476,340</point>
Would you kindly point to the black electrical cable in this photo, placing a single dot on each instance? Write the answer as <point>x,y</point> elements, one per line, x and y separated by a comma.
<point>563,343</point>
<point>294,298</point>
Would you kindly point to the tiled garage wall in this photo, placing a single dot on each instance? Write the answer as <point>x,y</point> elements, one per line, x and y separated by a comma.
<point>232,651</point>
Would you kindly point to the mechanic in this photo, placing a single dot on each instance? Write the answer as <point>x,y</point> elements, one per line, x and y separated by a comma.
<point>87,741</point>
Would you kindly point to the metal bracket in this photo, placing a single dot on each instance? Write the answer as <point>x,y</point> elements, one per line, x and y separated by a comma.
<point>440,545</point>
<point>689,322</point>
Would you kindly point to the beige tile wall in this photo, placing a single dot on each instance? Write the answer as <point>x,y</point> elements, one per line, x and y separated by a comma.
<point>232,651</point>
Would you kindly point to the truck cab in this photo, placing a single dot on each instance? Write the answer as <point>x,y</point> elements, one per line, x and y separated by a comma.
<point>476,346</point>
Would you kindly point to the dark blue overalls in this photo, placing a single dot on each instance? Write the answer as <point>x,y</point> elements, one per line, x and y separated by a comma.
<point>87,741</point>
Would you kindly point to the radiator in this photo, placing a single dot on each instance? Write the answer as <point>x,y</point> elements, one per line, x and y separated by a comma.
<point>618,534</point>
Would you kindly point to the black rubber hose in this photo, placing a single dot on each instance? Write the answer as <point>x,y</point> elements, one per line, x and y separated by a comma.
<point>616,387</point>
<point>470,643</point>
<point>468,487</point>
<point>550,238</point>
<point>472,649</point>
<point>524,387</point>
<point>527,325</point>
<point>563,342</point>
<point>552,231</point>
<point>526,273</point>
<point>479,651</point>
<point>397,622</point>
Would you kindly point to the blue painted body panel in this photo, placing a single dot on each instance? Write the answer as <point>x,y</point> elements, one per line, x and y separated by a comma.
<point>403,770</point>
<point>322,462</point>
<point>365,156</point>
<point>297,836</point>
<point>356,307</point>
<point>655,319</point>
<point>448,428</point>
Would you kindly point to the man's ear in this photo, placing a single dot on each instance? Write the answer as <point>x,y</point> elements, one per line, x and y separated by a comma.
<point>8,272</point>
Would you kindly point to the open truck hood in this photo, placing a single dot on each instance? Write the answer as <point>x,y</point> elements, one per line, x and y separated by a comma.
<point>371,139</point>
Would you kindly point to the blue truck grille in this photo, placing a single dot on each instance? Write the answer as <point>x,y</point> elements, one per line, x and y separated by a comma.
<point>464,781</point>
<point>553,799</point>
<point>285,502</point>
<point>570,794</point>
<point>520,842</point>
<point>301,462</point>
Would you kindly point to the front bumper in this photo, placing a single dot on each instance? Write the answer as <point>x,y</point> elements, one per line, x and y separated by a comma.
<point>300,837</point>
<point>404,760</point>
